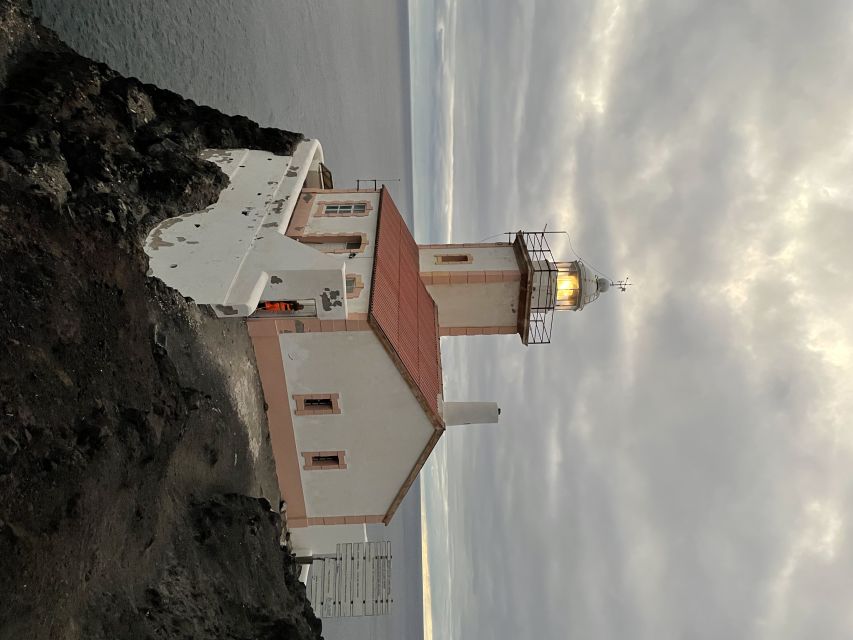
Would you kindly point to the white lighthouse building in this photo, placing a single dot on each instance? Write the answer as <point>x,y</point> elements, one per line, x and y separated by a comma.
<point>346,313</point>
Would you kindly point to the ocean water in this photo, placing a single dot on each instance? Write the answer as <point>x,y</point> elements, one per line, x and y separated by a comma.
<point>333,70</point>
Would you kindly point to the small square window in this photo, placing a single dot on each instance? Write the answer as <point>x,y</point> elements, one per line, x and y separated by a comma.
<point>336,243</point>
<point>354,285</point>
<point>324,460</point>
<point>317,404</point>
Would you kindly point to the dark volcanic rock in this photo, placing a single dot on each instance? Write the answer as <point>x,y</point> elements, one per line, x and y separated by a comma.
<point>85,142</point>
<point>228,540</point>
<point>122,447</point>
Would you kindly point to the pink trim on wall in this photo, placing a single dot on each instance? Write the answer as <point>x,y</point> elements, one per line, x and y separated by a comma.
<point>469,277</point>
<point>359,191</point>
<point>283,441</point>
<point>477,331</point>
<point>261,327</point>
<point>275,326</point>
<point>357,325</point>
<point>299,217</point>
<point>312,464</point>
<point>302,410</point>
<point>323,520</point>
<point>358,285</point>
<point>465,245</point>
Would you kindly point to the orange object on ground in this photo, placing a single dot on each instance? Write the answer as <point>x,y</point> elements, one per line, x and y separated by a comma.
<point>282,305</point>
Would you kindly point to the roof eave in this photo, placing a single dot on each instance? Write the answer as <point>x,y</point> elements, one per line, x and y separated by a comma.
<point>525,295</point>
<point>413,474</point>
<point>434,418</point>
<point>432,415</point>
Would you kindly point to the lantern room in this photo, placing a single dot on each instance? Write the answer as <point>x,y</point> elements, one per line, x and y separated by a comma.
<point>575,286</point>
<point>552,286</point>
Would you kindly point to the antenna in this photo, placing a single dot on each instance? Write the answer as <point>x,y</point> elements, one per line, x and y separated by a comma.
<point>622,285</point>
<point>376,182</point>
<point>497,235</point>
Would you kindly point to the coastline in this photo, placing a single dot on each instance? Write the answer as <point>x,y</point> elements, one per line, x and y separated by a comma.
<point>137,489</point>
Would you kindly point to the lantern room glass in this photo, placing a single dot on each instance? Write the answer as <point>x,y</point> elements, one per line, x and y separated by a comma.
<point>568,286</point>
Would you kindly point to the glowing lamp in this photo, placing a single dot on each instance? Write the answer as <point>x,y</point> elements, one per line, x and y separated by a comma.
<point>568,286</point>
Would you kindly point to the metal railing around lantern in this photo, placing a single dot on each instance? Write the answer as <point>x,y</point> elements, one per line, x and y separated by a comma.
<point>544,274</point>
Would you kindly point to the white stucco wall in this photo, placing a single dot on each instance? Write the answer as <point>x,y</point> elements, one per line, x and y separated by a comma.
<point>324,539</point>
<point>362,263</point>
<point>280,289</point>
<point>364,268</point>
<point>492,304</point>
<point>319,224</point>
<point>483,259</point>
<point>226,255</point>
<point>381,427</point>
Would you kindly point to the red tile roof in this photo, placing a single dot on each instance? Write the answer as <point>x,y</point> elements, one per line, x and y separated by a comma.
<point>401,310</point>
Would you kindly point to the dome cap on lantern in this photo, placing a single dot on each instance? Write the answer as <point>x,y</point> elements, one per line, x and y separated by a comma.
<point>590,284</point>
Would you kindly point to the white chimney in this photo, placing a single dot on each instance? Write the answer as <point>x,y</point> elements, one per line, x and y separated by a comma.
<point>459,413</point>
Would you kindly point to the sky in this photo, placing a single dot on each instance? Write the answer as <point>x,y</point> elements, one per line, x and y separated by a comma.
<point>678,462</point>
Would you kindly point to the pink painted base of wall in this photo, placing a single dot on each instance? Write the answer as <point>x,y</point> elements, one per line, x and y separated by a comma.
<point>282,438</point>
<point>469,277</point>
<point>477,331</point>
<point>465,245</point>
<point>328,520</point>
<point>275,326</point>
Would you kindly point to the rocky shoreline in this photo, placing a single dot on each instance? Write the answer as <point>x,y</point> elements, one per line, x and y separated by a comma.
<point>137,489</point>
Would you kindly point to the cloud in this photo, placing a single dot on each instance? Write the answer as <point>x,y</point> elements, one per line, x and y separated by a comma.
<point>445,125</point>
<point>677,463</point>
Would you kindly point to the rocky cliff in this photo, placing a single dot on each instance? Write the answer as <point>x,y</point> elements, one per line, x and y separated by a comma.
<point>137,490</point>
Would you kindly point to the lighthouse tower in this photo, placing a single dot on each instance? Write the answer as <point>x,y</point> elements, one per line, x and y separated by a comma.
<point>505,287</point>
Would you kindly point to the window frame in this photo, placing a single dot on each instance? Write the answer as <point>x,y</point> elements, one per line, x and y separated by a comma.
<point>454,258</point>
<point>303,409</point>
<point>312,462</point>
<point>318,239</point>
<point>344,208</point>
<point>357,287</point>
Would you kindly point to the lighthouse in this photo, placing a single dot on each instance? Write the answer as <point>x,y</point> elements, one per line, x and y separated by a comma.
<point>511,287</point>
<point>347,313</point>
